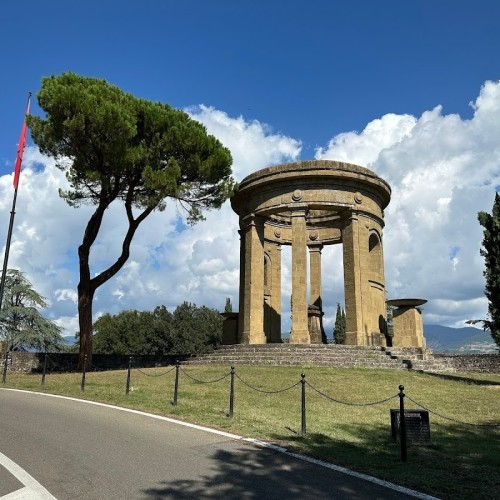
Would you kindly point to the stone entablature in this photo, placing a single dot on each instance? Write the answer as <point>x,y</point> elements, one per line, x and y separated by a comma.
<point>308,205</point>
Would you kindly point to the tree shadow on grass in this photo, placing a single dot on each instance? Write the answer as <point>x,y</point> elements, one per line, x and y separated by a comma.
<point>459,378</point>
<point>459,462</point>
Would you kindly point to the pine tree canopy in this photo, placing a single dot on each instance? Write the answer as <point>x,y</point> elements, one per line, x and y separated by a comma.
<point>114,146</point>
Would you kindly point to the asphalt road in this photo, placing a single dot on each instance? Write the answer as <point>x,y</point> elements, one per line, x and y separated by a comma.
<point>76,450</point>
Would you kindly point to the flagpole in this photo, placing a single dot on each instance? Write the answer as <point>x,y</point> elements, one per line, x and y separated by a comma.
<point>20,149</point>
<point>7,248</point>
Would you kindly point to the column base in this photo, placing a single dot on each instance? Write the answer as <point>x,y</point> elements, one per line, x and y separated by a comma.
<point>315,324</point>
<point>408,341</point>
<point>253,338</point>
<point>355,338</point>
<point>299,337</point>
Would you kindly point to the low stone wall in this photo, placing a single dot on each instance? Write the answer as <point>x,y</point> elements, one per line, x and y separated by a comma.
<point>479,363</point>
<point>32,362</point>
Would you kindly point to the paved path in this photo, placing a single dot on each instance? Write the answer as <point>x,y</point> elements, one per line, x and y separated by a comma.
<point>76,450</point>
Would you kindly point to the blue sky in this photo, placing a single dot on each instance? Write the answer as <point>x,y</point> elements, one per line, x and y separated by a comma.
<point>308,69</point>
<point>276,81</point>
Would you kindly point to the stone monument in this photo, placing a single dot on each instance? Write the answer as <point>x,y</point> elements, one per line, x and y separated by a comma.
<point>407,323</point>
<point>308,205</point>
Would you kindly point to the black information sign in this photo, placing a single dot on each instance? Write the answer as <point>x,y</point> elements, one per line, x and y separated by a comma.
<point>418,429</point>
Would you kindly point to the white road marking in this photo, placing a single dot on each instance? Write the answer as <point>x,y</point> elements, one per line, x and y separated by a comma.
<point>32,490</point>
<point>256,442</point>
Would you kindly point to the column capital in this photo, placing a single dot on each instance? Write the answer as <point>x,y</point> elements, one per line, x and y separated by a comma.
<point>315,246</point>
<point>298,209</point>
<point>349,215</point>
<point>251,220</point>
<point>273,244</point>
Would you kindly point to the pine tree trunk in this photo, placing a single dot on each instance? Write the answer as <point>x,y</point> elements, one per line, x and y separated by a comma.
<point>88,286</point>
<point>85,297</point>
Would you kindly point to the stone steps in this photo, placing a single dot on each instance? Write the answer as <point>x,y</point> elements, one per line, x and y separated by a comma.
<point>301,363</point>
<point>333,355</point>
<point>419,359</point>
<point>300,355</point>
<point>272,355</point>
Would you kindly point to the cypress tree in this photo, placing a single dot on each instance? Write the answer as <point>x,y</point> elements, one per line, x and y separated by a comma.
<point>491,254</point>
<point>339,328</point>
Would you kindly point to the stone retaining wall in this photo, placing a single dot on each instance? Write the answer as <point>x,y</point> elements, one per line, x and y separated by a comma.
<point>32,362</point>
<point>479,363</point>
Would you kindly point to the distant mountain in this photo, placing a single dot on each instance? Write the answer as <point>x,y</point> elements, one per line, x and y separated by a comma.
<point>469,340</point>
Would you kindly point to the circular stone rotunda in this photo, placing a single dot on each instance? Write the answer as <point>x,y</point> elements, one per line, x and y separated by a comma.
<point>308,205</point>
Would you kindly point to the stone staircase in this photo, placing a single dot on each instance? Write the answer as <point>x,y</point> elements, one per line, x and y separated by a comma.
<point>333,355</point>
<point>418,359</point>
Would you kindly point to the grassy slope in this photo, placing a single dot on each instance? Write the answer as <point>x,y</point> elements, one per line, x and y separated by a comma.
<point>461,462</point>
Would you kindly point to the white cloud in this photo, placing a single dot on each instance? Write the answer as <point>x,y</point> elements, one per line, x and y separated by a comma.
<point>69,324</point>
<point>169,263</point>
<point>252,144</point>
<point>363,148</point>
<point>442,170</point>
<point>66,294</point>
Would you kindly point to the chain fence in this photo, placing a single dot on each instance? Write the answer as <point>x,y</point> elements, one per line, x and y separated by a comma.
<point>153,375</point>
<point>198,381</point>
<point>49,362</point>
<point>257,389</point>
<point>451,419</point>
<point>348,403</point>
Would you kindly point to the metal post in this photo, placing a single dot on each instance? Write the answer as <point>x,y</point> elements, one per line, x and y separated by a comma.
<point>7,248</point>
<point>44,369</point>
<point>127,385</point>
<point>176,386</point>
<point>402,424</point>
<point>6,361</point>
<point>19,160</point>
<point>303,382</point>
<point>231,395</point>
<point>82,386</point>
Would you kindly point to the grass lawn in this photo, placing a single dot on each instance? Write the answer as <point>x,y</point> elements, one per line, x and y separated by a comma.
<point>462,461</point>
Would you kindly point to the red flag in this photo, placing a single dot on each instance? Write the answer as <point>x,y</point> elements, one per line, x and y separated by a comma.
<point>20,146</point>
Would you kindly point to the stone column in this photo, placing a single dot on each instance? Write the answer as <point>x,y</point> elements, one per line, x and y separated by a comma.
<point>315,310</point>
<point>274,277</point>
<point>253,309</point>
<point>315,267</point>
<point>300,332</point>
<point>352,280</point>
<point>241,311</point>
